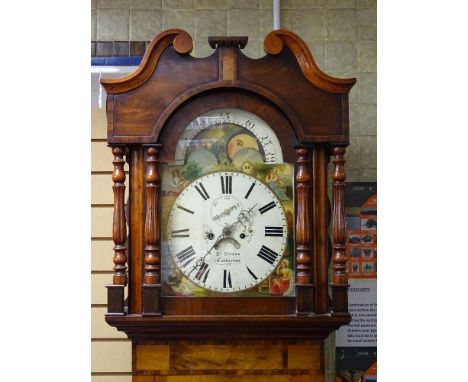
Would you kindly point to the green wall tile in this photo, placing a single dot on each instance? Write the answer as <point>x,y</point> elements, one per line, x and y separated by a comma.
<point>367,56</point>
<point>202,49</point>
<point>307,4</point>
<point>367,83</point>
<point>178,4</point>
<point>341,25</point>
<point>352,175</point>
<point>368,175</point>
<point>354,120</point>
<point>367,24</point>
<point>366,3</point>
<point>368,153</point>
<point>243,4</point>
<point>317,49</point>
<point>254,49</point>
<point>309,24</point>
<point>352,154</point>
<point>210,22</point>
<point>179,18</point>
<point>341,56</point>
<point>145,24</point>
<point>146,4</point>
<point>244,22</point>
<point>107,4</point>
<point>112,24</point>
<point>210,4</point>
<point>368,119</point>
<point>93,24</point>
<point>350,4</point>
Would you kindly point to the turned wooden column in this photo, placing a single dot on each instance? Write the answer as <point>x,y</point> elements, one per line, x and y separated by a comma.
<point>152,269</point>
<point>304,256</point>
<point>115,291</point>
<point>340,267</point>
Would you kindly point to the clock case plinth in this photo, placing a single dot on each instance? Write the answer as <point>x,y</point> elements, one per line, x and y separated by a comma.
<point>146,114</point>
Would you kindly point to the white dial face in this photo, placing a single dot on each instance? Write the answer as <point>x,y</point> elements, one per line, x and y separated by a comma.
<point>227,231</point>
<point>253,125</point>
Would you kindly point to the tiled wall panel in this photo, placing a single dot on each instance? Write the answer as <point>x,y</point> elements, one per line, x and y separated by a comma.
<point>342,35</point>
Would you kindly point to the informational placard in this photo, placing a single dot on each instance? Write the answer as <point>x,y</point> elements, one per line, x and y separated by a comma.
<point>357,342</point>
<point>362,302</point>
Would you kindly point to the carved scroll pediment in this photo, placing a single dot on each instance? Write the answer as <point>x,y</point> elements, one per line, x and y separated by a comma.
<point>274,44</point>
<point>140,104</point>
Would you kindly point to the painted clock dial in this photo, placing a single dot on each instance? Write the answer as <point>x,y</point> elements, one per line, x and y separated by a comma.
<point>227,231</point>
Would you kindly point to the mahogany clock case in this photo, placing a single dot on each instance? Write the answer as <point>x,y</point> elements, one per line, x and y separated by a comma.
<point>147,112</point>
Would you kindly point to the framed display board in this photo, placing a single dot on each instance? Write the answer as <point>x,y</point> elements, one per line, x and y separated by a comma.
<point>357,342</point>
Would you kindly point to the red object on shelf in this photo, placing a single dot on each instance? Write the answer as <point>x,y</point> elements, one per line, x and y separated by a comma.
<point>371,374</point>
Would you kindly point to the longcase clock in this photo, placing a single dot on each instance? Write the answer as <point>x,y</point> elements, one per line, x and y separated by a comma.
<point>221,240</point>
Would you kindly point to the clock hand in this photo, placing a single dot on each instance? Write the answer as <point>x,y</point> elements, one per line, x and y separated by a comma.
<point>251,208</point>
<point>242,218</point>
<point>247,216</point>
<point>202,259</point>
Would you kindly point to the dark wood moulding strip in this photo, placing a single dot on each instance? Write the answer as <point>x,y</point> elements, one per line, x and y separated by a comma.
<point>102,272</point>
<point>104,172</point>
<point>238,372</point>
<point>214,327</point>
<point>110,339</point>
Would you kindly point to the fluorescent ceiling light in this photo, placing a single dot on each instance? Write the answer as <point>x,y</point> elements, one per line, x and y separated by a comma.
<point>112,69</point>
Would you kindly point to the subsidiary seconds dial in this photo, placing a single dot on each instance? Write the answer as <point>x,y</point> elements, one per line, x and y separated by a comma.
<point>227,231</point>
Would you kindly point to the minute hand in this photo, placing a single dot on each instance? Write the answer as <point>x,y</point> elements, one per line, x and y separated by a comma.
<point>244,215</point>
<point>201,260</point>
